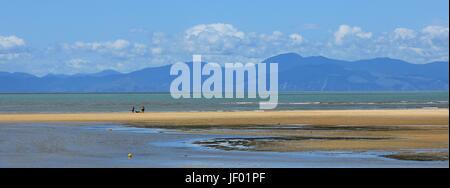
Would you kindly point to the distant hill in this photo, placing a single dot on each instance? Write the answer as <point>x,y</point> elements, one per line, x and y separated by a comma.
<point>296,73</point>
<point>380,74</point>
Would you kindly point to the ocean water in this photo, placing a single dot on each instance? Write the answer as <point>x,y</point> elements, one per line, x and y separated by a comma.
<point>121,102</point>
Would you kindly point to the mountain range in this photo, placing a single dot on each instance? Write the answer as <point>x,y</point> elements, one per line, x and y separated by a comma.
<point>296,73</point>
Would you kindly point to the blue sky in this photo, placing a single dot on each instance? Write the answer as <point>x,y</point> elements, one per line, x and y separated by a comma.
<point>69,37</point>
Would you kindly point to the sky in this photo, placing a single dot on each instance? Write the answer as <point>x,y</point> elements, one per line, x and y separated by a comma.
<point>85,36</point>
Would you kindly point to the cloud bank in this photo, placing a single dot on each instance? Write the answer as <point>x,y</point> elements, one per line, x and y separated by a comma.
<point>222,43</point>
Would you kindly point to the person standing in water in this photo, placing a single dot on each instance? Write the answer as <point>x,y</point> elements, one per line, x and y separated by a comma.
<point>143,109</point>
<point>132,109</point>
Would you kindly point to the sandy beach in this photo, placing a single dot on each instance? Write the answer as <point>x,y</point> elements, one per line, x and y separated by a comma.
<point>288,131</point>
<point>237,118</point>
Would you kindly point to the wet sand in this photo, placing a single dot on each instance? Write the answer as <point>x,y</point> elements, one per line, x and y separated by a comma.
<point>240,118</point>
<point>107,145</point>
<point>315,130</point>
<point>331,138</point>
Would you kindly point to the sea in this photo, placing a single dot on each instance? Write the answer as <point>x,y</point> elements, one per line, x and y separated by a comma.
<point>163,102</point>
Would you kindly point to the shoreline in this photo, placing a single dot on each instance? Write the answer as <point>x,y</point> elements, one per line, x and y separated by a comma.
<point>239,118</point>
<point>287,131</point>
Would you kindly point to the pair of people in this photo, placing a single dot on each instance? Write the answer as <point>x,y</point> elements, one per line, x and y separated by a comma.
<point>133,110</point>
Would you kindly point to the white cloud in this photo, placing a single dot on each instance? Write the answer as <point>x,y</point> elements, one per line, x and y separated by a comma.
<point>211,31</point>
<point>12,41</point>
<point>77,63</point>
<point>10,56</point>
<point>424,46</point>
<point>120,54</point>
<point>418,51</point>
<point>11,47</point>
<point>296,38</point>
<point>274,36</point>
<point>212,38</point>
<point>158,38</point>
<point>404,33</point>
<point>437,37</point>
<point>156,51</point>
<point>222,43</point>
<point>117,48</point>
<point>436,31</point>
<point>139,49</point>
<point>346,31</point>
<point>118,44</point>
<point>98,46</point>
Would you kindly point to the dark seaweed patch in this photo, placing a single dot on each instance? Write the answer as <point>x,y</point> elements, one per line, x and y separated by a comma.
<point>420,156</point>
<point>248,143</point>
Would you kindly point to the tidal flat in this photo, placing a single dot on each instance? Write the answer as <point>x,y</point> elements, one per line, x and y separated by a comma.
<point>108,145</point>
